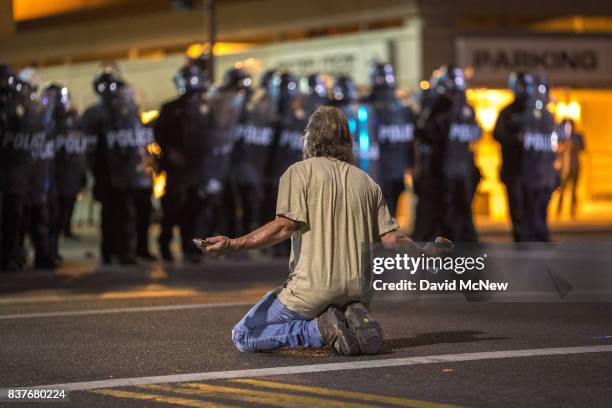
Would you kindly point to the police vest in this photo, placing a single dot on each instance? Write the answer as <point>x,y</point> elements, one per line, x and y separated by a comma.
<point>539,151</point>
<point>395,125</point>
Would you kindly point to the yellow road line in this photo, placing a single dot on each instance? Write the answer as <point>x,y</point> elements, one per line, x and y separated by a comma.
<point>275,399</point>
<point>161,398</point>
<point>343,394</point>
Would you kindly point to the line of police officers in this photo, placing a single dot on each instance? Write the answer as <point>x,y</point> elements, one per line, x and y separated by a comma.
<point>224,149</point>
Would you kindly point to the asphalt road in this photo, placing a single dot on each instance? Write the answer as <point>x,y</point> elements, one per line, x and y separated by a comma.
<point>126,326</point>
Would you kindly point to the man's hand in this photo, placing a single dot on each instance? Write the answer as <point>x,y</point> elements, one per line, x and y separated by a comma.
<point>217,246</point>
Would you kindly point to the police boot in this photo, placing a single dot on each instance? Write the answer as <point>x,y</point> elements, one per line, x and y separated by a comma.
<point>367,331</point>
<point>46,263</point>
<point>127,260</point>
<point>146,255</point>
<point>11,266</point>
<point>335,332</point>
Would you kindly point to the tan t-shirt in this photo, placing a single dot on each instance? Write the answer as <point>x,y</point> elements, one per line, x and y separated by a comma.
<point>338,207</point>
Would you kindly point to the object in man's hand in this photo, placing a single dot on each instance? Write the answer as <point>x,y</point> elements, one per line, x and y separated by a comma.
<point>444,245</point>
<point>201,243</point>
<point>441,247</point>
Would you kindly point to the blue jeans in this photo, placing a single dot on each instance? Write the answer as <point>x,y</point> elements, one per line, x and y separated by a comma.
<point>270,325</point>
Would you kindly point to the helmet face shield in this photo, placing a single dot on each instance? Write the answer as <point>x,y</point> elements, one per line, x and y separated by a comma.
<point>449,80</point>
<point>238,79</point>
<point>522,84</point>
<point>107,85</point>
<point>382,75</point>
<point>344,90</point>
<point>190,79</point>
<point>266,79</point>
<point>56,99</point>
<point>8,82</point>
<point>317,86</point>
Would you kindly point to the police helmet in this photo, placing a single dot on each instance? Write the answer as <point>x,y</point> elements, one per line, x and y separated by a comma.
<point>236,78</point>
<point>284,84</point>
<point>382,75</point>
<point>57,98</point>
<point>266,79</point>
<point>317,86</point>
<point>451,79</point>
<point>190,78</point>
<point>8,80</point>
<point>344,89</point>
<point>29,77</point>
<point>522,84</point>
<point>542,86</point>
<point>107,84</point>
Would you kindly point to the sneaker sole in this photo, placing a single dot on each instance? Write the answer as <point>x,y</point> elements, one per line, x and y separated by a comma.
<point>368,332</point>
<point>346,344</point>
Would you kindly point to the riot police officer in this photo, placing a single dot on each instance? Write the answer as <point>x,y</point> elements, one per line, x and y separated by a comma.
<point>317,93</point>
<point>141,189</point>
<point>118,166</point>
<point>539,149</point>
<point>510,126</point>
<point>194,132</point>
<point>39,203</point>
<point>294,110</point>
<point>179,131</point>
<point>394,125</point>
<point>365,145</point>
<point>288,146</point>
<point>227,102</point>
<point>450,130</point>
<point>254,138</point>
<point>16,119</point>
<point>61,123</point>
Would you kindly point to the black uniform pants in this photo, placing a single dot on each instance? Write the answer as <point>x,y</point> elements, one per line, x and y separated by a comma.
<point>392,189</point>
<point>250,197</point>
<point>11,225</point>
<point>61,217</point>
<point>203,216</point>
<point>65,208</point>
<point>37,223</point>
<point>172,205</point>
<point>458,221</point>
<point>516,206</point>
<point>536,213</point>
<point>141,200</point>
<point>429,216</point>
<point>118,224</point>
<point>192,211</point>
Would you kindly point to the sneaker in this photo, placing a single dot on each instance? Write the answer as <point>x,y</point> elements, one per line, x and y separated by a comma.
<point>367,331</point>
<point>335,332</point>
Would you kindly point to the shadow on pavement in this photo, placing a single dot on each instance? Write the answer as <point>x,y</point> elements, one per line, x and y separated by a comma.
<point>390,345</point>
<point>429,339</point>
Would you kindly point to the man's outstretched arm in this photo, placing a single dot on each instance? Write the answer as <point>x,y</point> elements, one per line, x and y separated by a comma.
<point>268,235</point>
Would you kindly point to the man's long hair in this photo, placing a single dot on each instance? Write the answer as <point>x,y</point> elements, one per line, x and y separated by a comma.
<point>327,135</point>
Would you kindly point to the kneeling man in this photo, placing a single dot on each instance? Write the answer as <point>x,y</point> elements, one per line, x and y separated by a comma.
<point>328,207</point>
